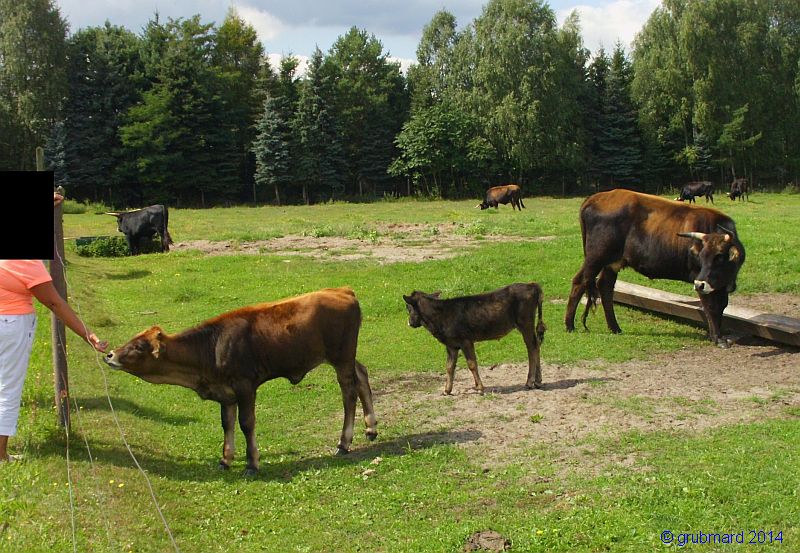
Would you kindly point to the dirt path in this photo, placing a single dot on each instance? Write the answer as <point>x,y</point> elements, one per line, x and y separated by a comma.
<point>692,389</point>
<point>393,243</point>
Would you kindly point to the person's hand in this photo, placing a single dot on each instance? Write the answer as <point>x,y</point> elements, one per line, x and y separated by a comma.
<point>96,343</point>
<point>57,198</point>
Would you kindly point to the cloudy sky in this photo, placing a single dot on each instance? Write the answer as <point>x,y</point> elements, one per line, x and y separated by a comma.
<point>297,26</point>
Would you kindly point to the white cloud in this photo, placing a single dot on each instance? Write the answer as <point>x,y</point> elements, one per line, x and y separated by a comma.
<point>608,22</point>
<point>266,25</point>
<point>405,63</point>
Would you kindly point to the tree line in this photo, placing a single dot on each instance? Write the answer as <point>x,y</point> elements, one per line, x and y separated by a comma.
<point>192,114</point>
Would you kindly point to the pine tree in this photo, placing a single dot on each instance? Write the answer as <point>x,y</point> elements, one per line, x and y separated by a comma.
<point>620,154</point>
<point>319,152</point>
<point>272,146</point>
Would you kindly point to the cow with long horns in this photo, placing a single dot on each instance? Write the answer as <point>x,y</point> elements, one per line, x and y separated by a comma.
<point>659,239</point>
<point>143,224</point>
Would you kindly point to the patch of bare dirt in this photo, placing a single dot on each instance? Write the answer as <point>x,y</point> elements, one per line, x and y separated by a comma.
<point>782,304</point>
<point>392,243</point>
<point>692,389</point>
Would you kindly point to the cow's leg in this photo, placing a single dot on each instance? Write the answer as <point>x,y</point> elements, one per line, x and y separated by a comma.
<point>346,375</point>
<point>521,204</point>
<point>452,357</point>
<point>247,422</point>
<point>472,362</point>
<point>229,429</point>
<point>575,295</point>
<point>528,331</point>
<point>365,395</point>
<point>132,244</point>
<point>713,306</point>
<point>583,281</point>
<point>605,284</point>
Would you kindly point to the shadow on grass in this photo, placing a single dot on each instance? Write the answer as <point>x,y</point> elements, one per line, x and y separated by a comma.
<point>43,401</point>
<point>182,469</point>
<point>546,386</point>
<point>132,274</point>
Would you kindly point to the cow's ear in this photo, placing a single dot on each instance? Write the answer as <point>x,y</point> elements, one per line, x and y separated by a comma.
<point>408,299</point>
<point>734,254</point>
<point>436,294</point>
<point>157,341</point>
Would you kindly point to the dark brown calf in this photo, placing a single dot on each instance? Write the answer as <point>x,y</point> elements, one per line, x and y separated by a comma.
<point>460,322</point>
<point>227,358</point>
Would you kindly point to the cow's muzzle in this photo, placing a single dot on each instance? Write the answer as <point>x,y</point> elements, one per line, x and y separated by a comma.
<point>703,287</point>
<point>112,361</point>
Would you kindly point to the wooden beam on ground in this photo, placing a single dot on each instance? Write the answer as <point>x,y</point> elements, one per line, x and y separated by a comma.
<point>778,328</point>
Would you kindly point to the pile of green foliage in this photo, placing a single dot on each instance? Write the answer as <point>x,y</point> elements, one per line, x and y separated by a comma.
<point>114,246</point>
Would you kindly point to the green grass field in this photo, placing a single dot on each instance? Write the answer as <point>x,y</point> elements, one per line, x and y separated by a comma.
<point>427,492</point>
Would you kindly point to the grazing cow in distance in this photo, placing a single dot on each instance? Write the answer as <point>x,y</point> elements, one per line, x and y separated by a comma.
<point>460,322</point>
<point>502,195</point>
<point>739,189</point>
<point>696,188</point>
<point>659,239</point>
<point>143,224</point>
<point>226,358</point>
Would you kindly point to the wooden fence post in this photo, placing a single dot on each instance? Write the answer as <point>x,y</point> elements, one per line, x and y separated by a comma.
<point>57,331</point>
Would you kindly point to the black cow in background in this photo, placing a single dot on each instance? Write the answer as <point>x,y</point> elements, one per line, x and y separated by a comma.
<point>739,189</point>
<point>143,224</point>
<point>697,188</point>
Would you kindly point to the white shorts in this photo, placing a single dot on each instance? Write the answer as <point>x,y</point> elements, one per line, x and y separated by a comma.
<point>16,341</point>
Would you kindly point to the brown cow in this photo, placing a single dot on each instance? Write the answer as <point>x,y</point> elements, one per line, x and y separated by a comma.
<point>621,228</point>
<point>503,195</point>
<point>460,322</point>
<point>227,358</point>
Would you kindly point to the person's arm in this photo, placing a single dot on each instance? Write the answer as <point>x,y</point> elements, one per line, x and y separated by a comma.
<point>50,298</point>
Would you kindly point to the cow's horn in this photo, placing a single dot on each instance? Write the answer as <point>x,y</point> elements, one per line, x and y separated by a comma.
<point>477,206</point>
<point>695,235</point>
<point>723,229</point>
<point>114,213</point>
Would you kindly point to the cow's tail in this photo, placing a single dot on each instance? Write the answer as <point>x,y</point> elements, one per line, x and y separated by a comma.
<point>592,294</point>
<point>540,326</point>
<point>591,299</point>
<point>167,237</point>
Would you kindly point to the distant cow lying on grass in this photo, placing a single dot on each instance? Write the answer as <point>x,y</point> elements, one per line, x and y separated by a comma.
<point>227,358</point>
<point>460,322</point>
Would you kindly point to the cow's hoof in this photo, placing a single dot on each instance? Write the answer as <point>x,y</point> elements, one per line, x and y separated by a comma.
<point>371,435</point>
<point>723,343</point>
<point>249,472</point>
<point>341,451</point>
<point>223,466</point>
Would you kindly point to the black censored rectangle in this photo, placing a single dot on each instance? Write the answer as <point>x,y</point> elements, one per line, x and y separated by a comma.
<point>27,224</point>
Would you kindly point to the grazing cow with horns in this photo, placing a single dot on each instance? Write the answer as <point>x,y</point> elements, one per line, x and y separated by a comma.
<point>502,195</point>
<point>227,358</point>
<point>143,224</point>
<point>621,228</point>
<point>739,189</point>
<point>697,188</point>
